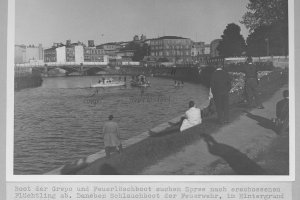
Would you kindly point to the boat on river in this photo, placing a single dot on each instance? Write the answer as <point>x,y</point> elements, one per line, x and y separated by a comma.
<point>140,81</point>
<point>108,83</point>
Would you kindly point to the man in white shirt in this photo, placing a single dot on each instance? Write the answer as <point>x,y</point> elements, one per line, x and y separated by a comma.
<point>192,117</point>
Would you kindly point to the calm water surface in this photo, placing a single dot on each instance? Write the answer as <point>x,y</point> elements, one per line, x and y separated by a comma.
<point>61,121</point>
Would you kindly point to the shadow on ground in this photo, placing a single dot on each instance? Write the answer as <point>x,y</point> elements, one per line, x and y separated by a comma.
<point>262,121</point>
<point>239,162</point>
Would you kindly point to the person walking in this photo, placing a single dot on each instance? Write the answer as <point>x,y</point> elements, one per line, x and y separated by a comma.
<point>220,86</point>
<point>111,133</point>
<point>251,84</point>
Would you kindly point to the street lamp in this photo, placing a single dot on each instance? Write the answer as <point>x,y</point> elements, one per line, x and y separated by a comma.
<point>268,46</point>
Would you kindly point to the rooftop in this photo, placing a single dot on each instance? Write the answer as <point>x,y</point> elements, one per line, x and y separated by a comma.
<point>170,37</point>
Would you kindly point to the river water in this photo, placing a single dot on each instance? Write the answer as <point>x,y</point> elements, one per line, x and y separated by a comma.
<point>61,121</point>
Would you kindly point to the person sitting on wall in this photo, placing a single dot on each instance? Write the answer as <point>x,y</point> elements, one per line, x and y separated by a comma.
<point>192,117</point>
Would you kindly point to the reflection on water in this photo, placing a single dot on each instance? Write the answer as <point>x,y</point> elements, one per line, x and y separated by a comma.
<point>61,121</point>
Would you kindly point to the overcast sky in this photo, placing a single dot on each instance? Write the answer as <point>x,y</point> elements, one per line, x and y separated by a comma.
<point>48,21</point>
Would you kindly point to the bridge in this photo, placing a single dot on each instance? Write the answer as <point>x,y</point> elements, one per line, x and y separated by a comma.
<point>81,68</point>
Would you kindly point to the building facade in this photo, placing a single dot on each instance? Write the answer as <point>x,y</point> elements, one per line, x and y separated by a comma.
<point>110,49</point>
<point>61,56</point>
<point>197,49</point>
<point>28,54</point>
<point>20,54</point>
<point>126,55</point>
<point>91,54</point>
<point>34,53</point>
<point>174,49</point>
<point>50,55</point>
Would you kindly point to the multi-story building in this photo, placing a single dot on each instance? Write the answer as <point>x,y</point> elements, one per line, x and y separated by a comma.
<point>26,54</point>
<point>207,49</point>
<point>126,55</point>
<point>61,56</point>
<point>110,49</point>
<point>50,54</point>
<point>213,48</point>
<point>20,54</point>
<point>34,53</point>
<point>92,54</point>
<point>175,49</point>
<point>197,49</point>
<point>74,52</point>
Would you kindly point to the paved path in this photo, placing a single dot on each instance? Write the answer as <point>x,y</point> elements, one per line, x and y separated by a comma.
<point>251,134</point>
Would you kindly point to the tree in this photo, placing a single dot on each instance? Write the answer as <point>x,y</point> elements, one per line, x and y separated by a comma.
<point>257,41</point>
<point>140,50</point>
<point>232,43</point>
<point>265,12</point>
<point>271,15</point>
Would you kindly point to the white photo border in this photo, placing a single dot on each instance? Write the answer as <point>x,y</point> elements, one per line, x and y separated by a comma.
<point>138,178</point>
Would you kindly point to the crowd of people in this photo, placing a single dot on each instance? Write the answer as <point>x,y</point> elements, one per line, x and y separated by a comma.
<point>220,86</point>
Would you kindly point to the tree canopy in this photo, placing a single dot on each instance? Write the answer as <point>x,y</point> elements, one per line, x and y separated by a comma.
<point>232,43</point>
<point>267,21</point>
<point>140,50</point>
<point>265,12</point>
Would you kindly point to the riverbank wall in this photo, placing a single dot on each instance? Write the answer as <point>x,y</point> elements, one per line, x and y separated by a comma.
<point>28,79</point>
<point>153,145</point>
<point>193,74</point>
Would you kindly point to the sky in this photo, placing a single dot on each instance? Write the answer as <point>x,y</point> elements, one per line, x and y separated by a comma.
<point>49,21</point>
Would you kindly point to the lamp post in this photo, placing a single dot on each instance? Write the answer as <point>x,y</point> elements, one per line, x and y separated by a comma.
<point>268,46</point>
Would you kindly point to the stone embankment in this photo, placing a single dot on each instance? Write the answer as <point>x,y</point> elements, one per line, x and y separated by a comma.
<point>27,79</point>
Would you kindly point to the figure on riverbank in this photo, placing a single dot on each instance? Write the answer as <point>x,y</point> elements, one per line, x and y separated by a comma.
<point>251,84</point>
<point>192,117</point>
<point>282,113</point>
<point>111,133</point>
<point>220,85</point>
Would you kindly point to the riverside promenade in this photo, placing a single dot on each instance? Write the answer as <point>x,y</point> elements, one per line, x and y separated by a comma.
<point>251,135</point>
<point>247,145</point>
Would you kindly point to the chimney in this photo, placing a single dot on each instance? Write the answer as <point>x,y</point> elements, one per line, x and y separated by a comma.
<point>68,42</point>
<point>91,43</point>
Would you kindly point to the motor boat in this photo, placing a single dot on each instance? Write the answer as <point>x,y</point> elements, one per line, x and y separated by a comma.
<point>108,83</point>
<point>140,81</point>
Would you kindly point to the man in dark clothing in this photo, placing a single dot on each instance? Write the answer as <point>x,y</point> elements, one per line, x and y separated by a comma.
<point>251,84</point>
<point>282,114</point>
<point>220,86</point>
<point>282,107</point>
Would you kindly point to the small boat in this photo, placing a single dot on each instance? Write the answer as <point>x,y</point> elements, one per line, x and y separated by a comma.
<point>140,81</point>
<point>108,83</point>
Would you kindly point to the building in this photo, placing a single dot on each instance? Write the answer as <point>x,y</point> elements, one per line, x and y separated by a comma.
<point>197,49</point>
<point>207,49</point>
<point>174,49</point>
<point>61,56</point>
<point>28,54</point>
<point>92,54</point>
<point>213,48</point>
<point>126,55</point>
<point>64,53</point>
<point>110,49</point>
<point>50,54</point>
<point>20,54</point>
<point>198,52</point>
<point>34,53</point>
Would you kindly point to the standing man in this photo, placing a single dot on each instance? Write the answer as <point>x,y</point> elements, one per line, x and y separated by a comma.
<point>220,86</point>
<point>111,136</point>
<point>251,84</point>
